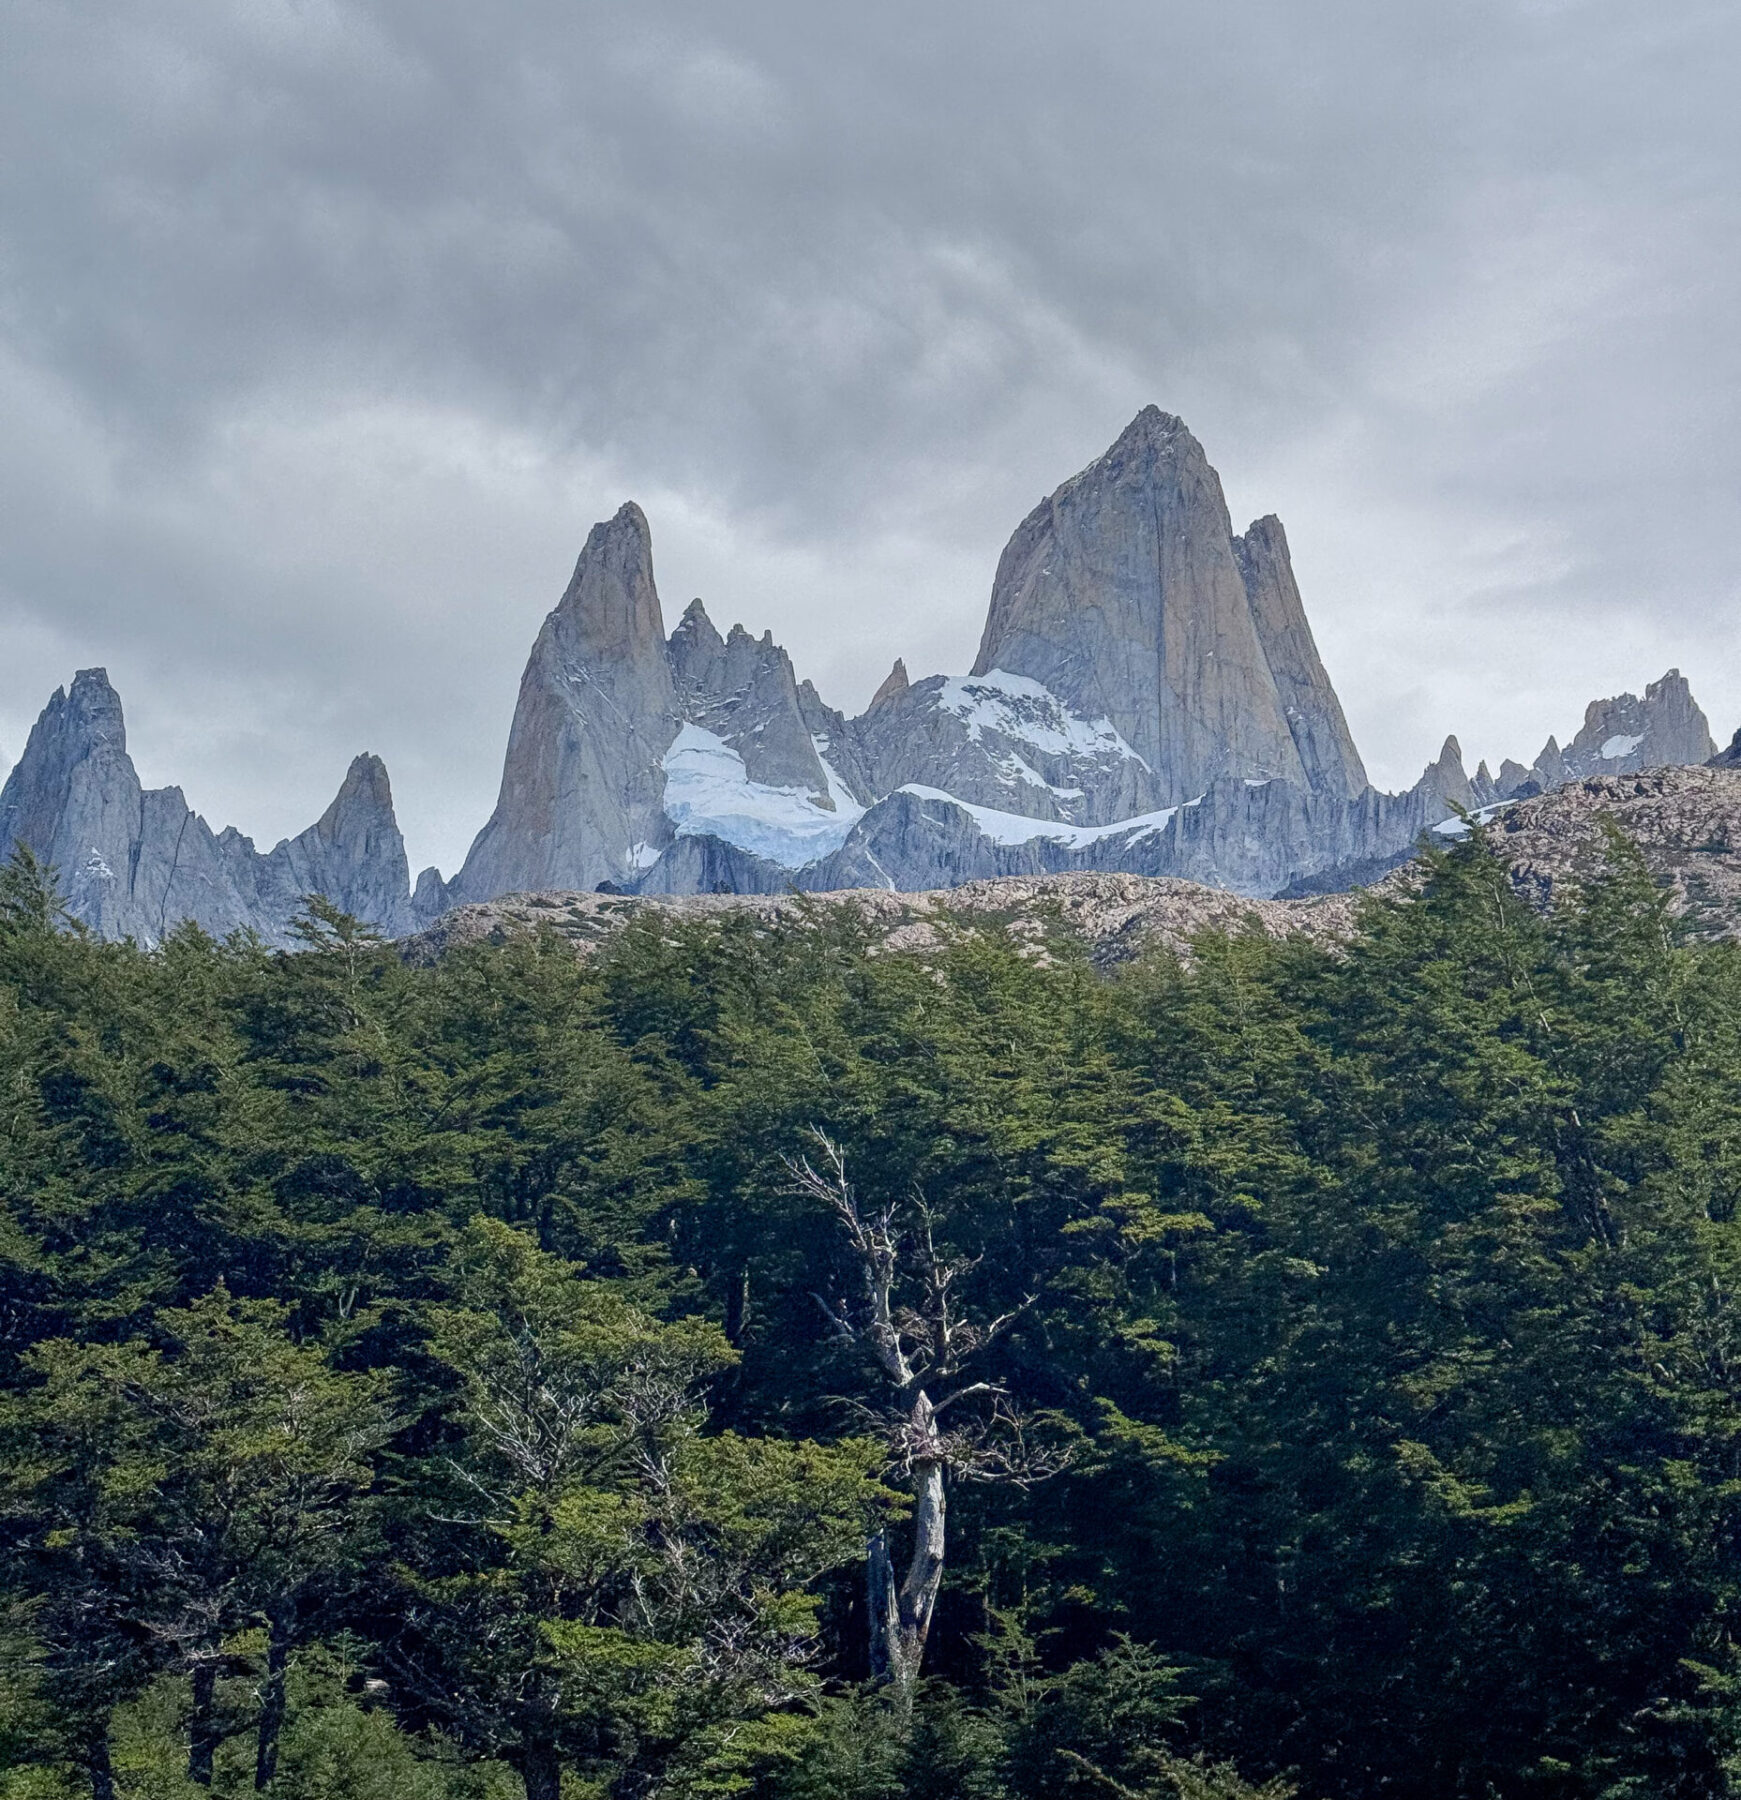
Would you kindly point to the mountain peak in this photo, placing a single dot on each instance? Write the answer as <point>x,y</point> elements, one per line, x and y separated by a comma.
<point>696,631</point>
<point>895,682</point>
<point>582,783</point>
<point>365,784</point>
<point>93,709</point>
<point>1127,596</point>
<point>1153,423</point>
<point>611,594</point>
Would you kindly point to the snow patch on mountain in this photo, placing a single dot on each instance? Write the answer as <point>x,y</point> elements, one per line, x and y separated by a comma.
<point>1017,828</point>
<point>1457,827</point>
<point>708,793</point>
<point>1014,706</point>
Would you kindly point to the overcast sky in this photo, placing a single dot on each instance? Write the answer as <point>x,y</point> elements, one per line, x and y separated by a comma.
<point>328,327</point>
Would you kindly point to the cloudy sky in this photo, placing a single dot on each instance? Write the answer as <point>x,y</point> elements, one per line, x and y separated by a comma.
<point>327,327</point>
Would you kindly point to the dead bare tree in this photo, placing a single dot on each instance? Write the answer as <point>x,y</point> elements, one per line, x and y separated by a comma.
<point>908,1317</point>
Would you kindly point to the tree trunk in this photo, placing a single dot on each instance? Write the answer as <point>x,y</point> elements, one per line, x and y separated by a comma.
<point>541,1770</point>
<point>202,1736</point>
<point>900,1618</point>
<point>918,1596</point>
<point>97,1762</point>
<point>737,1311</point>
<point>272,1701</point>
<point>882,1606</point>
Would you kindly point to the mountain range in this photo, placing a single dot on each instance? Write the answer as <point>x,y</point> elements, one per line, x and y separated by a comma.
<point>1147,699</point>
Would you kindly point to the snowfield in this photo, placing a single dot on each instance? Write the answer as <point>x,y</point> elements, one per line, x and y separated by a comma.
<point>1016,707</point>
<point>1016,828</point>
<point>708,792</point>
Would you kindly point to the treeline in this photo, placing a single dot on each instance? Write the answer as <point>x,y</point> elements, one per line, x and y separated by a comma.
<point>758,1363</point>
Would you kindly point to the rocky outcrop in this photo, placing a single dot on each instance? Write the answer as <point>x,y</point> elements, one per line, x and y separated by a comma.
<point>1686,823</point>
<point>1123,594</point>
<point>1148,699</point>
<point>1666,729</point>
<point>353,854</point>
<point>135,862</point>
<point>582,795</point>
<point>895,682</point>
<point>1321,736</point>
<point>1002,741</point>
<point>1117,917</point>
<point>742,690</point>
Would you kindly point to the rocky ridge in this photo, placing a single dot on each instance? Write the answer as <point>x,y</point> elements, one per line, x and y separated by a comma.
<point>1117,916</point>
<point>1686,822</point>
<point>1619,736</point>
<point>135,861</point>
<point>1147,700</point>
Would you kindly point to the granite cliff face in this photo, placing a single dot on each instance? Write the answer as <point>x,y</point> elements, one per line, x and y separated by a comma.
<point>742,691</point>
<point>1620,736</point>
<point>1147,700</point>
<point>135,862</point>
<point>1127,595</point>
<point>1321,736</point>
<point>582,787</point>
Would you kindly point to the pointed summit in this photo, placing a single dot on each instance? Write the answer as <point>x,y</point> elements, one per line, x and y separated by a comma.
<point>741,689</point>
<point>582,783</point>
<point>1126,595</point>
<point>1309,702</point>
<point>1624,734</point>
<point>895,682</point>
<point>611,604</point>
<point>354,854</point>
<point>136,862</point>
<point>696,633</point>
<point>1445,781</point>
<point>74,798</point>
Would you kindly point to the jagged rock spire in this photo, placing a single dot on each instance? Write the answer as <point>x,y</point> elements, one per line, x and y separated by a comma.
<point>895,682</point>
<point>582,783</point>
<point>1126,594</point>
<point>743,690</point>
<point>136,862</point>
<point>353,853</point>
<point>1309,703</point>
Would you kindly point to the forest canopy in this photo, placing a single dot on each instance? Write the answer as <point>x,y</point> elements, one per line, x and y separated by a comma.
<point>749,1361</point>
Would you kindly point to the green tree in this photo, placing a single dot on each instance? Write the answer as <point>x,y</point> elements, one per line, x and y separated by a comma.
<point>180,1492</point>
<point>626,1594</point>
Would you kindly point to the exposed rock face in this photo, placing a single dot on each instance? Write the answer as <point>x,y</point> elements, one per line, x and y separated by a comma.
<point>583,785</point>
<point>1123,593</point>
<point>1002,741</point>
<point>743,691</point>
<point>75,800</point>
<point>353,854</point>
<point>895,682</point>
<point>1117,916</point>
<point>1665,729</point>
<point>1686,823</point>
<point>135,862</point>
<point>1147,699</point>
<point>1321,736</point>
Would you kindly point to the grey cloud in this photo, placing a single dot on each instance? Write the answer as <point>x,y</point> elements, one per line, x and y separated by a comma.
<point>331,326</point>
